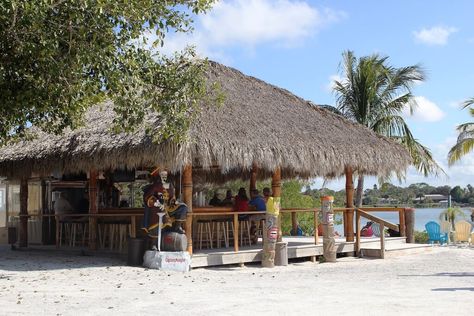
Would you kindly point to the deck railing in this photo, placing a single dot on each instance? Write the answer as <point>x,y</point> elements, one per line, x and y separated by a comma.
<point>379,221</point>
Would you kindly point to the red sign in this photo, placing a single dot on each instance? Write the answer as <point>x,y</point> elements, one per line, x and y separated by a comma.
<point>273,234</point>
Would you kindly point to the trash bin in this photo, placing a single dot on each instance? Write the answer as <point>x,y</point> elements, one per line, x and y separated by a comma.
<point>136,250</point>
<point>281,254</point>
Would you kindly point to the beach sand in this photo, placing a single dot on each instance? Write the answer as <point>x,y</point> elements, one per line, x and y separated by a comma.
<point>437,282</point>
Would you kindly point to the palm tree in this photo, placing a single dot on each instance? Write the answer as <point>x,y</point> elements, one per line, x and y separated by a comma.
<point>465,142</point>
<point>450,215</point>
<point>374,94</point>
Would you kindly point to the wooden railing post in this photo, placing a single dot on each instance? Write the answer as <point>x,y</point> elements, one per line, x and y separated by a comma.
<point>23,231</point>
<point>316,224</point>
<point>236,233</point>
<point>401,216</point>
<point>410,224</point>
<point>357,244</point>
<point>188,200</point>
<point>382,241</point>
<point>349,214</point>
<point>93,209</point>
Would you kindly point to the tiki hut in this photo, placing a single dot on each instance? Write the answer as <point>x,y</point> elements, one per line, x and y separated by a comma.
<point>258,123</point>
<point>259,127</point>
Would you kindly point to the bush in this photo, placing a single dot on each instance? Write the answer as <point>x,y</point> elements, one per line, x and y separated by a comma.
<point>421,237</point>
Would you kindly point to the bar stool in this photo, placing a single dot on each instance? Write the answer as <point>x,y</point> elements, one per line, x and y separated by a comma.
<point>64,232</point>
<point>113,234</point>
<point>222,231</point>
<point>244,232</point>
<point>78,229</point>
<point>204,232</point>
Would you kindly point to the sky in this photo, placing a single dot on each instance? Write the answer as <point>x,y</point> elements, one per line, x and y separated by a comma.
<point>298,45</point>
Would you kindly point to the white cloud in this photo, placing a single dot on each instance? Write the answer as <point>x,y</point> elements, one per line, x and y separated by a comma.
<point>437,35</point>
<point>249,23</point>
<point>330,86</point>
<point>426,111</point>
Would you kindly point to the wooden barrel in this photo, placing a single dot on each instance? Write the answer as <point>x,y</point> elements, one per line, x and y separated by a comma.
<point>172,241</point>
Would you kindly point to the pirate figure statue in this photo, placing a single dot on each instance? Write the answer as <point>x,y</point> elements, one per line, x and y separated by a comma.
<point>159,197</point>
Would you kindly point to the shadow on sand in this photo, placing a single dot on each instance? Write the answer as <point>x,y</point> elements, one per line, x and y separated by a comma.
<point>43,258</point>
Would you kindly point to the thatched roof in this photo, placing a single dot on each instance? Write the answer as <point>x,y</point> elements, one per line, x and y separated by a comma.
<point>258,122</point>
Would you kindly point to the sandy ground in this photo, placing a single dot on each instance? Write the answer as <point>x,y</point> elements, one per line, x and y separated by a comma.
<point>438,282</point>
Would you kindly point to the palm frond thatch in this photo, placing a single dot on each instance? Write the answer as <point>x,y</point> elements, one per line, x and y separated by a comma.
<point>258,122</point>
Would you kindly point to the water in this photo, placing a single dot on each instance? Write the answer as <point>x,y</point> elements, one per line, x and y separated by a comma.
<point>422,216</point>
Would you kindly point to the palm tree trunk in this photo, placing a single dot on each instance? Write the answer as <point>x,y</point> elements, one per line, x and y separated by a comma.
<point>360,190</point>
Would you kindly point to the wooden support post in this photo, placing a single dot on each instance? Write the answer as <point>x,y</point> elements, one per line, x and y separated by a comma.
<point>272,228</point>
<point>357,244</point>
<point>253,177</point>
<point>382,241</point>
<point>276,192</point>
<point>329,242</point>
<point>23,213</point>
<point>349,214</point>
<point>316,233</point>
<point>236,233</point>
<point>401,216</point>
<point>410,225</point>
<point>93,209</point>
<point>188,200</point>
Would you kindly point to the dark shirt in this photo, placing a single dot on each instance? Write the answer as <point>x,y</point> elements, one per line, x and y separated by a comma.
<point>215,201</point>
<point>227,202</point>
<point>259,203</point>
<point>83,206</point>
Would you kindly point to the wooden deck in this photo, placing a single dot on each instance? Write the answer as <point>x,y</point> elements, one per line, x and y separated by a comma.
<point>298,247</point>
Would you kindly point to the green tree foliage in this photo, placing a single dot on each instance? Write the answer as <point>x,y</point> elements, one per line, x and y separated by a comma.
<point>465,141</point>
<point>457,193</point>
<point>374,94</point>
<point>59,57</point>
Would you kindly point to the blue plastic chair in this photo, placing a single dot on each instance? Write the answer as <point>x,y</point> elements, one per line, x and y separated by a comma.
<point>434,233</point>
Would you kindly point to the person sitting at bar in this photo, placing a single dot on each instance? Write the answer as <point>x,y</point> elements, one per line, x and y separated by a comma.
<point>228,201</point>
<point>62,206</point>
<point>241,201</point>
<point>256,203</point>
<point>215,201</point>
<point>83,206</point>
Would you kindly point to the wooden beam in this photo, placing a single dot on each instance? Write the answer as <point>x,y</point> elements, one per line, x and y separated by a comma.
<point>349,214</point>
<point>23,213</point>
<point>188,200</point>
<point>379,220</point>
<point>253,177</point>
<point>93,209</point>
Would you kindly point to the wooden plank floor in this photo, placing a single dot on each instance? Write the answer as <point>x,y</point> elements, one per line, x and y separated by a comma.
<point>298,247</point>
